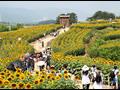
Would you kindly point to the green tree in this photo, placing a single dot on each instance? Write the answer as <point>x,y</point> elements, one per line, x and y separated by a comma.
<point>19,26</point>
<point>101,15</point>
<point>73,18</point>
<point>3,28</point>
<point>16,27</point>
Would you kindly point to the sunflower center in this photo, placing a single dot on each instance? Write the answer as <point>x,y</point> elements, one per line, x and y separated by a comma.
<point>20,85</point>
<point>41,80</point>
<point>0,82</point>
<point>28,86</point>
<point>9,79</point>
<point>13,85</point>
<point>36,82</point>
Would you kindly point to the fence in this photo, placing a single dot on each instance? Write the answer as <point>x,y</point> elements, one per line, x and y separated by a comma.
<point>106,80</point>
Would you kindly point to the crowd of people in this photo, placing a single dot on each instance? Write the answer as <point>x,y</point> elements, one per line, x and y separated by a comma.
<point>39,61</point>
<point>95,75</point>
<point>32,62</point>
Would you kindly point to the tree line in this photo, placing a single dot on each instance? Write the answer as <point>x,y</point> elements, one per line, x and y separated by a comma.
<point>103,15</point>
<point>96,16</point>
<point>4,27</point>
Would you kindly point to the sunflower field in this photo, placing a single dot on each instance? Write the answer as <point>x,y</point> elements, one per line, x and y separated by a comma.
<point>71,42</point>
<point>101,49</point>
<point>13,44</point>
<point>38,80</point>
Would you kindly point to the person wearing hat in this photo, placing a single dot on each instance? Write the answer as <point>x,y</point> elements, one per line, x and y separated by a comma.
<point>85,77</point>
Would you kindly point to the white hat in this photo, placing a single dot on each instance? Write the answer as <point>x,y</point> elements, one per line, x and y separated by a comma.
<point>85,68</point>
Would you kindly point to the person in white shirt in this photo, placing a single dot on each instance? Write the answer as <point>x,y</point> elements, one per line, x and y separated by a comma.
<point>115,80</point>
<point>85,77</point>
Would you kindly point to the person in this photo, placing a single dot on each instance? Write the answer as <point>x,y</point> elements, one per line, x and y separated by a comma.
<point>42,43</point>
<point>17,64</point>
<point>26,60</point>
<point>39,63</point>
<point>93,72</point>
<point>85,77</point>
<point>114,77</point>
<point>119,86</point>
<point>11,67</point>
<point>44,55</point>
<point>30,66</point>
<point>48,57</point>
<point>98,81</point>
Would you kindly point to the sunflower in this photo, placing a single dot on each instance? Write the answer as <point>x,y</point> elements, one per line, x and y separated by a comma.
<point>28,86</point>
<point>1,81</point>
<point>57,78</point>
<point>53,71</point>
<point>41,80</point>
<point>37,72</point>
<point>22,77</point>
<point>43,76</point>
<point>5,70</point>
<point>13,85</point>
<point>77,77</point>
<point>17,74</point>
<point>12,76</point>
<point>9,79</point>
<point>28,73</point>
<point>66,76</point>
<point>49,76</point>
<point>18,70</point>
<point>8,74</point>
<point>2,73</point>
<point>60,75</point>
<point>65,72</point>
<point>20,85</point>
<point>2,77</point>
<point>36,82</point>
<point>6,82</point>
<point>53,78</point>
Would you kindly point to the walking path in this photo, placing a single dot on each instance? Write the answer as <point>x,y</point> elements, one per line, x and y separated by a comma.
<point>47,39</point>
<point>37,45</point>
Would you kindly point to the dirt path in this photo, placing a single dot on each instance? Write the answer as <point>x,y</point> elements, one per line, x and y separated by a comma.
<point>37,45</point>
<point>91,86</point>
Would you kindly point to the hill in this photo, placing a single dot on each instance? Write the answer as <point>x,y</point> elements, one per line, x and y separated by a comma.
<point>47,22</point>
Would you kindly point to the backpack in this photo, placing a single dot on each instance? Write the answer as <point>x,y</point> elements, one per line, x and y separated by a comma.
<point>112,75</point>
<point>11,67</point>
<point>98,78</point>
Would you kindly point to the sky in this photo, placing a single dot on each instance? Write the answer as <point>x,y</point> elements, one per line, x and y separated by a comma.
<point>83,9</point>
